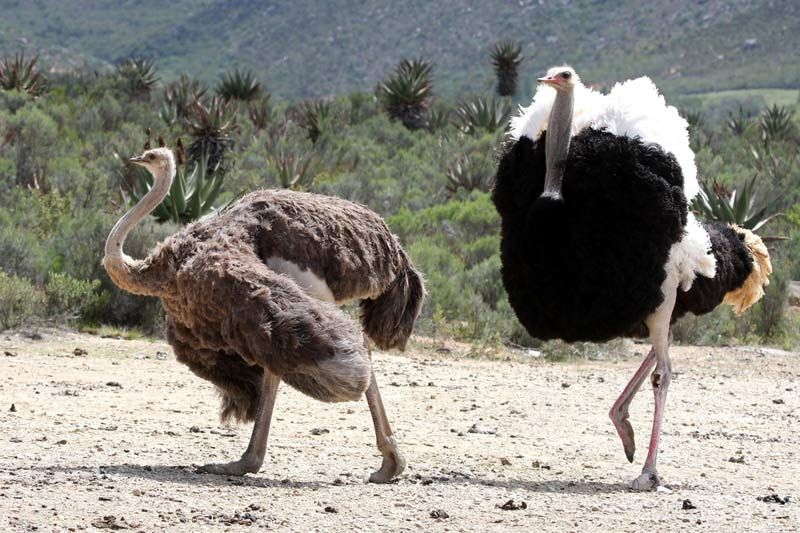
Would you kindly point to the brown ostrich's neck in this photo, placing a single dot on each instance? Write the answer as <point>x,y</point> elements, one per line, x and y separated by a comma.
<point>128,273</point>
<point>559,131</point>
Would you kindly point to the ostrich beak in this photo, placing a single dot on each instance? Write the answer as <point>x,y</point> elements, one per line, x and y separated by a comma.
<point>549,80</point>
<point>136,160</point>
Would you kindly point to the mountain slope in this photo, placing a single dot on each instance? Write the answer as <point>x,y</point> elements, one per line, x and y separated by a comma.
<point>308,48</point>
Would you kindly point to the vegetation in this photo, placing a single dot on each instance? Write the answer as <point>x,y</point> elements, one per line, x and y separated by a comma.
<point>21,75</point>
<point>506,58</point>
<point>406,93</point>
<point>239,85</point>
<point>426,165</point>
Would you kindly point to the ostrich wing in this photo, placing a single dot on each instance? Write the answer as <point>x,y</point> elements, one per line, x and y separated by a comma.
<point>231,303</point>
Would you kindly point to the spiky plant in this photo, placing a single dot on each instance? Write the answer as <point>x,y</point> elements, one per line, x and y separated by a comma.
<point>260,112</point>
<point>181,94</point>
<point>20,74</point>
<point>482,114</point>
<point>293,170</point>
<point>469,173</point>
<point>739,124</point>
<point>439,117</point>
<point>314,116</point>
<point>195,189</point>
<point>239,85</point>
<point>696,120</point>
<point>210,123</point>
<point>506,58</point>
<point>407,92</point>
<point>737,206</point>
<point>775,124</point>
<point>138,76</point>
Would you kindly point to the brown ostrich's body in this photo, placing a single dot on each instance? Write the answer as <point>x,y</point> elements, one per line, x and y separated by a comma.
<point>239,315</point>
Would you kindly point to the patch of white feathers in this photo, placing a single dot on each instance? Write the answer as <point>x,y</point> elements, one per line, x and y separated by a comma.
<point>634,108</point>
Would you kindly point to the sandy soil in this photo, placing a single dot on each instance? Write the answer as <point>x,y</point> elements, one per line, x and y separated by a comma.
<point>105,433</point>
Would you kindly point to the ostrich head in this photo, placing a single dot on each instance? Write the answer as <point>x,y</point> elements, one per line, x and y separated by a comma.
<point>561,78</point>
<point>159,161</point>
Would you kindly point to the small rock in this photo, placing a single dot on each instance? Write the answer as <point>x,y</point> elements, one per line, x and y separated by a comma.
<point>565,385</point>
<point>137,492</point>
<point>79,352</point>
<point>778,401</point>
<point>687,505</point>
<point>505,461</point>
<point>254,507</point>
<point>319,431</point>
<point>439,514</point>
<point>773,498</point>
<point>161,356</point>
<point>738,459</point>
<point>511,505</point>
<point>330,509</point>
<point>482,430</point>
<point>10,354</point>
<point>113,384</point>
<point>338,481</point>
<point>195,429</point>
<point>104,499</point>
<point>62,441</point>
<point>13,408</point>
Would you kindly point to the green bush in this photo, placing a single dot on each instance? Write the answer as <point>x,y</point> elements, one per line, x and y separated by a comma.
<point>20,302</point>
<point>69,297</point>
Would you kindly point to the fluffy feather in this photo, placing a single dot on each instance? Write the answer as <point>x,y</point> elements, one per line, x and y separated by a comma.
<point>752,289</point>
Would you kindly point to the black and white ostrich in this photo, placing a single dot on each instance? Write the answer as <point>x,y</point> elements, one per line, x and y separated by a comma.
<point>598,240</point>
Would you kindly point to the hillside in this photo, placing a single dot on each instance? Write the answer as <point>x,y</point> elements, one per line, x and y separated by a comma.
<point>303,48</point>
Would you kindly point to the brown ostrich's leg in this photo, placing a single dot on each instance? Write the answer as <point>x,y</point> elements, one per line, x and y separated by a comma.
<point>393,461</point>
<point>619,411</point>
<point>253,457</point>
<point>658,325</point>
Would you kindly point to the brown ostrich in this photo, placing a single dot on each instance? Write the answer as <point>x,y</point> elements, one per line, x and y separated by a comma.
<point>250,297</point>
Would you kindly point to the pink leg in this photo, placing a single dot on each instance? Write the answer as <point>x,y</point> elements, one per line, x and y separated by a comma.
<point>658,324</point>
<point>619,411</point>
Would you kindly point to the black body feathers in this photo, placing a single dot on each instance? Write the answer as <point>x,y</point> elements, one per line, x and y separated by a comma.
<point>588,267</point>
<point>734,265</point>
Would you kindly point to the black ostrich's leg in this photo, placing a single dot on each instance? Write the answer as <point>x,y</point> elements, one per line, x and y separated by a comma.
<point>253,457</point>
<point>393,461</point>
<point>659,327</point>
<point>619,411</point>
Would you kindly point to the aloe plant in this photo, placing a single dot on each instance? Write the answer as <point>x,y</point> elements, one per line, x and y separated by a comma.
<point>739,124</point>
<point>138,76</point>
<point>179,96</point>
<point>239,85</point>
<point>407,92</point>
<point>775,124</point>
<point>738,206</point>
<point>482,114</point>
<point>20,74</point>
<point>506,58</point>
<point>260,112</point>
<point>469,173</point>
<point>211,123</point>
<point>313,117</point>
<point>194,190</point>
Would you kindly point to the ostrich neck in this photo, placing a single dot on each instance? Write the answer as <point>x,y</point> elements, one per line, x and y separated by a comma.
<point>125,271</point>
<point>559,131</point>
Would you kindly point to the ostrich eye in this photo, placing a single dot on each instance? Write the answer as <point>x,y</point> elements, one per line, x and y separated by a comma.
<point>151,157</point>
<point>566,75</point>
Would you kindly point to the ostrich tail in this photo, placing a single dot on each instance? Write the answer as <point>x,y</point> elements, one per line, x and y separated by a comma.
<point>389,319</point>
<point>752,289</point>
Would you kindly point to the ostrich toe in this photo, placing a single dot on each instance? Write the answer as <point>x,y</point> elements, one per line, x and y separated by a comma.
<point>243,466</point>
<point>647,481</point>
<point>392,466</point>
<point>625,431</point>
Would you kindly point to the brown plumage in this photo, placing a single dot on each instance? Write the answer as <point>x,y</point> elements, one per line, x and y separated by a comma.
<point>237,318</point>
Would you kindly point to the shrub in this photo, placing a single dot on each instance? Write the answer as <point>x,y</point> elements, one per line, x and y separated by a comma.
<point>67,297</point>
<point>19,301</point>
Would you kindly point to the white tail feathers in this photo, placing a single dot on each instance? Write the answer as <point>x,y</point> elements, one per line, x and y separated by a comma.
<point>753,288</point>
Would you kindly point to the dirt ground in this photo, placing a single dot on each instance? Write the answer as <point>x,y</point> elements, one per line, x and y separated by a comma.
<point>106,434</point>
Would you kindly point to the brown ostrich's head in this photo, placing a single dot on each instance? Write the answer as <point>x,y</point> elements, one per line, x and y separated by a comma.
<point>158,160</point>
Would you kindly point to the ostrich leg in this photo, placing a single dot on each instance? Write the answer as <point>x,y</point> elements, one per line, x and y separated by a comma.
<point>253,457</point>
<point>393,462</point>
<point>658,325</point>
<point>619,411</point>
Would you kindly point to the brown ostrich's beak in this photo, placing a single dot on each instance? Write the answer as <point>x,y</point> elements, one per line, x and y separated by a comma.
<point>136,160</point>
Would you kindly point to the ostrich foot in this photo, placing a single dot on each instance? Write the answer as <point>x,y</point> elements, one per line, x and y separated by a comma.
<point>393,463</point>
<point>245,465</point>
<point>646,481</point>
<point>625,432</point>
